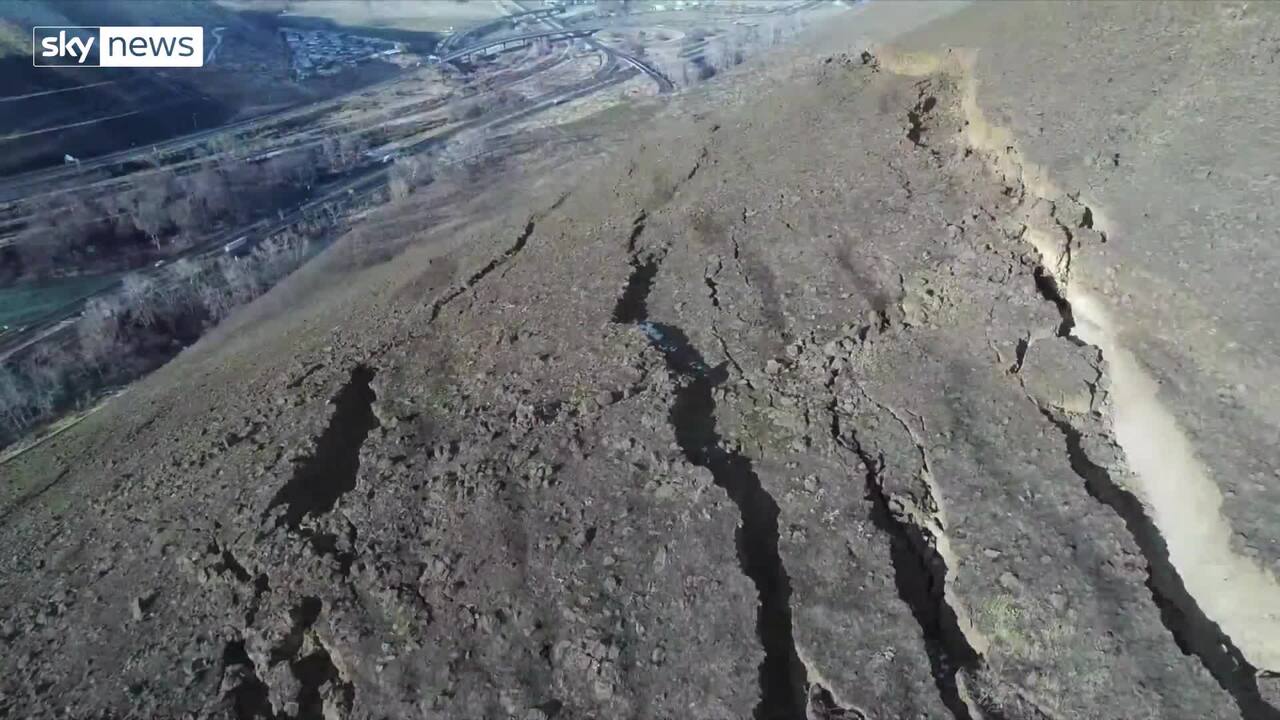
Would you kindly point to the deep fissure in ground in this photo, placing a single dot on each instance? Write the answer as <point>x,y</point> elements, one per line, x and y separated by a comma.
<point>330,472</point>
<point>1193,631</point>
<point>782,677</point>
<point>920,574</point>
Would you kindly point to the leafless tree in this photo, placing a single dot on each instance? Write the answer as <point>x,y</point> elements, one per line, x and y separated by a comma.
<point>99,331</point>
<point>184,271</point>
<point>342,153</point>
<point>407,174</point>
<point>470,108</point>
<point>15,411</point>
<point>46,368</point>
<point>147,208</point>
<point>398,187</point>
<point>241,281</point>
<point>279,256</point>
<point>78,218</point>
<point>38,245</point>
<point>289,169</point>
<point>215,299</point>
<point>208,190</point>
<point>139,294</point>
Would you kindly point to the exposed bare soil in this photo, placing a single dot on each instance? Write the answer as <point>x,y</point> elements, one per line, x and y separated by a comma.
<point>783,411</point>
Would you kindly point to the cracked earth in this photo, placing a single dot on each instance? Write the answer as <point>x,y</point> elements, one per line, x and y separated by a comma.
<point>775,415</point>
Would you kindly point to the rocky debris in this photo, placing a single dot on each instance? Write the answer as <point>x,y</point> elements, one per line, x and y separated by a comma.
<point>327,475</point>
<point>779,416</point>
<point>1063,374</point>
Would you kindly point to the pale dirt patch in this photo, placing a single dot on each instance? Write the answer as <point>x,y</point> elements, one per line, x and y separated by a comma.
<point>1176,489</point>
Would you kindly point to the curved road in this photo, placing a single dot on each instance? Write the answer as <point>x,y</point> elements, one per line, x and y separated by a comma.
<point>664,83</point>
<point>558,34</point>
<point>362,180</point>
<point>213,52</point>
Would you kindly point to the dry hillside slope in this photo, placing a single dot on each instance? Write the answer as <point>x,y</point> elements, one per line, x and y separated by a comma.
<point>798,407</point>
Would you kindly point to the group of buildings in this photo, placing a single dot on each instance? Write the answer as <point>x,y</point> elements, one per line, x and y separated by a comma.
<point>323,53</point>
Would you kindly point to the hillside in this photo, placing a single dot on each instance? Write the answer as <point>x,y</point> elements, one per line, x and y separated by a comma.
<point>919,373</point>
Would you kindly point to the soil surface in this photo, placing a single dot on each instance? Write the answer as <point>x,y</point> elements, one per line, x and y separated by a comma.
<point>799,405</point>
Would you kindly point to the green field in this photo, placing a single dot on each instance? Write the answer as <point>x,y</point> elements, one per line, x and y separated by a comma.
<point>26,302</point>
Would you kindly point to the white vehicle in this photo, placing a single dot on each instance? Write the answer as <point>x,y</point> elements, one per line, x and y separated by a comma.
<point>235,245</point>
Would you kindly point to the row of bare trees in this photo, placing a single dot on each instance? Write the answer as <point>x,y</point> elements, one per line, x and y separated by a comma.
<point>135,328</point>
<point>159,207</point>
<point>160,211</point>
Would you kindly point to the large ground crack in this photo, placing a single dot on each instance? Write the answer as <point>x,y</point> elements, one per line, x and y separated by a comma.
<point>632,306</point>
<point>1194,632</point>
<point>249,695</point>
<point>920,573</point>
<point>693,417</point>
<point>782,676</point>
<point>1214,600</point>
<point>330,472</point>
<point>502,259</point>
<point>521,240</point>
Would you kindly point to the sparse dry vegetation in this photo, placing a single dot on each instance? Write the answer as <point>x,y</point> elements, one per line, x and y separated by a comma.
<point>121,334</point>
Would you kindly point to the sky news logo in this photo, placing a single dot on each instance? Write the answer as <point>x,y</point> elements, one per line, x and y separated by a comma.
<point>150,46</point>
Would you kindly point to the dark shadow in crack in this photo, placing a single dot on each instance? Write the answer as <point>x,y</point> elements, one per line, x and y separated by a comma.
<point>782,676</point>
<point>330,472</point>
<point>33,495</point>
<point>1195,634</point>
<point>249,698</point>
<point>631,307</point>
<point>918,574</point>
<point>919,571</point>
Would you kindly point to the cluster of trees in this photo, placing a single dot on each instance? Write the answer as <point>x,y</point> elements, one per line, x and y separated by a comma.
<point>407,174</point>
<point>485,102</point>
<point>161,212</point>
<point>128,332</point>
<point>154,313</point>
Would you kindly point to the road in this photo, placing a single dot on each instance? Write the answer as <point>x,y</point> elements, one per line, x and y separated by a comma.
<point>553,35</point>
<point>217,43</point>
<point>364,180</point>
<point>42,93</point>
<point>14,186</point>
<point>61,321</point>
<point>664,83</point>
<point>360,182</point>
<point>448,45</point>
